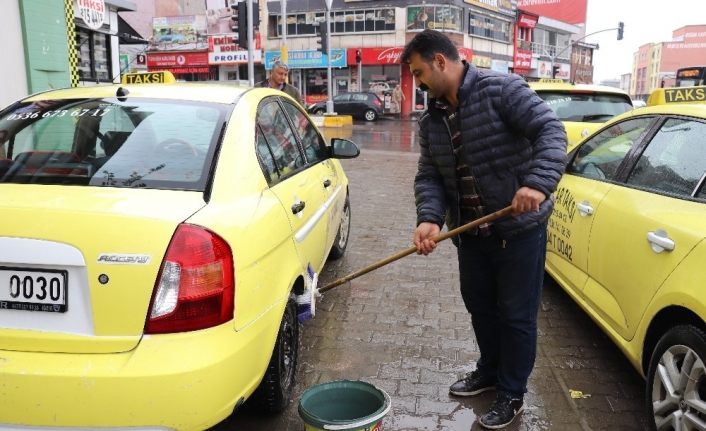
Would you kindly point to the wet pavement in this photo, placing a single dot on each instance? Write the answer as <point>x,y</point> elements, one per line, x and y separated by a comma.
<point>404,328</point>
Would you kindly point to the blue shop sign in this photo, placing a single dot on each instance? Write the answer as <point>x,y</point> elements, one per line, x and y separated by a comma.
<point>307,59</point>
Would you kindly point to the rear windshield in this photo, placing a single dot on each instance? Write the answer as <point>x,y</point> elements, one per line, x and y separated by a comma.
<point>147,143</point>
<point>589,107</point>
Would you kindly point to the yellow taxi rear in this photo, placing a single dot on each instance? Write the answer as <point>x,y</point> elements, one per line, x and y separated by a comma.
<point>627,241</point>
<point>581,108</point>
<point>147,266</point>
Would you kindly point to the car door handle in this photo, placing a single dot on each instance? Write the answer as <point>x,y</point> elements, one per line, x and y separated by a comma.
<point>327,183</point>
<point>660,241</point>
<point>584,208</point>
<point>298,207</point>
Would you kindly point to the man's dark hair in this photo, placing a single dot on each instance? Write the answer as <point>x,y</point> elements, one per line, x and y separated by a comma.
<point>428,43</point>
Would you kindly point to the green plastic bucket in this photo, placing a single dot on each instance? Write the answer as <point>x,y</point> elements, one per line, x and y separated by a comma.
<point>344,405</point>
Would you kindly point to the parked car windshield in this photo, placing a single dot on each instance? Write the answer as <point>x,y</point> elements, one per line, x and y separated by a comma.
<point>585,107</point>
<point>110,143</point>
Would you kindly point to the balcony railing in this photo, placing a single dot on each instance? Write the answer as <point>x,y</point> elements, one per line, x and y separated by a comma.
<point>564,52</point>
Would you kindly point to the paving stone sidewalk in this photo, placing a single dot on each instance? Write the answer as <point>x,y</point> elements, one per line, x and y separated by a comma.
<point>404,328</point>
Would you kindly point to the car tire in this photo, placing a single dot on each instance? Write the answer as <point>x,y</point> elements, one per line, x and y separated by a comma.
<point>275,390</point>
<point>341,241</point>
<point>319,111</point>
<point>370,115</point>
<point>677,360</point>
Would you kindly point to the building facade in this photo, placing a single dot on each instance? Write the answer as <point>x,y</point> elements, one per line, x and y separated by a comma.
<point>197,41</point>
<point>655,64</point>
<point>48,50</point>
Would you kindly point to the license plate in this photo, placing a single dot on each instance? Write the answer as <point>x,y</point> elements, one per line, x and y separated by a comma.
<point>33,289</point>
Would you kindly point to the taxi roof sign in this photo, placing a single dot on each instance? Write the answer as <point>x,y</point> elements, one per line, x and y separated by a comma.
<point>160,77</point>
<point>663,96</point>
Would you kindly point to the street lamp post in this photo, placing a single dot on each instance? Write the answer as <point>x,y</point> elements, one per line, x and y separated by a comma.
<point>620,29</point>
<point>329,101</point>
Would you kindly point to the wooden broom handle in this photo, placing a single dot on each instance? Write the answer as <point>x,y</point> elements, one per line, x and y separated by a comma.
<point>446,235</point>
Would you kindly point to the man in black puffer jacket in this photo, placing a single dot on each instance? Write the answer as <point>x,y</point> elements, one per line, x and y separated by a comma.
<point>488,141</point>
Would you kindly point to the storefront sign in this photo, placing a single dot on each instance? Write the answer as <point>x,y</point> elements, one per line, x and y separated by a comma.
<point>583,73</point>
<point>307,59</point>
<point>375,55</point>
<point>504,6</point>
<point>465,54</point>
<point>441,17</point>
<point>183,59</point>
<point>481,61</point>
<point>522,61</point>
<point>187,32</point>
<point>526,20</point>
<point>223,49</point>
<point>499,65</point>
<point>571,11</point>
<point>92,12</point>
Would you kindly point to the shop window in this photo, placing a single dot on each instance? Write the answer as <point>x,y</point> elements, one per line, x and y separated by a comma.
<point>351,21</point>
<point>489,27</point>
<point>93,55</point>
<point>381,79</point>
<point>442,17</point>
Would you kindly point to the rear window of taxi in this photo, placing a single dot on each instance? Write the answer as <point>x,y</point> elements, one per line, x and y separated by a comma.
<point>585,106</point>
<point>136,142</point>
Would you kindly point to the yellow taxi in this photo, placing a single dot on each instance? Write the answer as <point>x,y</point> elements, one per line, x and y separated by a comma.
<point>582,108</point>
<point>154,242</point>
<point>627,241</point>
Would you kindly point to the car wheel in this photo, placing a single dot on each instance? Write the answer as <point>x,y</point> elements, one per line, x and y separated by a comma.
<point>370,115</point>
<point>341,241</point>
<point>275,390</point>
<point>676,380</point>
<point>319,111</point>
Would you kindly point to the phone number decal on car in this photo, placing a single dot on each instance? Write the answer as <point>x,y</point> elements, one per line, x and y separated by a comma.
<point>97,112</point>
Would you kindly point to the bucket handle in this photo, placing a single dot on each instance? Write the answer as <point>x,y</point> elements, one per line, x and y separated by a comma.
<point>361,423</point>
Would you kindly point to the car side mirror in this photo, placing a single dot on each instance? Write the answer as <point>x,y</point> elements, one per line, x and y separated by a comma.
<point>343,149</point>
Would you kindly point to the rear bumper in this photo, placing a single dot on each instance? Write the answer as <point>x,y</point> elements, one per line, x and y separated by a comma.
<point>186,381</point>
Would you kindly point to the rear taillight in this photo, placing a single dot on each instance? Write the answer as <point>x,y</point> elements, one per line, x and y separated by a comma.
<point>377,102</point>
<point>195,286</point>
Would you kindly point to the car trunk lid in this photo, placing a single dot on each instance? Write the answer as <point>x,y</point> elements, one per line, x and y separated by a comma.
<point>94,251</point>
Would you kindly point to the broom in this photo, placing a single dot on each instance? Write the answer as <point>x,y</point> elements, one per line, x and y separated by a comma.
<point>307,302</point>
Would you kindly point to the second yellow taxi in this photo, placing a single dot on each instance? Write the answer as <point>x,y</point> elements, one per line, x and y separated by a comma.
<point>627,240</point>
<point>582,108</point>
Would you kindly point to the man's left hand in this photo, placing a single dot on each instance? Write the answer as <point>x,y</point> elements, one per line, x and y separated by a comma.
<point>527,199</point>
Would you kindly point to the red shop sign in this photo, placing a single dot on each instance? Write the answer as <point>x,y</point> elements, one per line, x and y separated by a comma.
<point>177,59</point>
<point>466,54</point>
<point>376,55</point>
<point>522,60</point>
<point>527,20</point>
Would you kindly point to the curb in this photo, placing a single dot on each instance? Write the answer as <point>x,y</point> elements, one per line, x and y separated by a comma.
<point>332,120</point>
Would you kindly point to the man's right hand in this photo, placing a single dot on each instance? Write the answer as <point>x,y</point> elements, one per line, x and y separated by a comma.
<point>424,237</point>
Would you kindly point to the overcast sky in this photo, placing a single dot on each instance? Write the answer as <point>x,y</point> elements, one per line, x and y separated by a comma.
<point>645,22</point>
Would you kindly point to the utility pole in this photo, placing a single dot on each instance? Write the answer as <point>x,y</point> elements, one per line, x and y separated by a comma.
<point>284,52</point>
<point>251,51</point>
<point>329,77</point>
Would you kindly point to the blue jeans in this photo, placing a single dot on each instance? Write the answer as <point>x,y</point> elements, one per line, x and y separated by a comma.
<point>501,285</point>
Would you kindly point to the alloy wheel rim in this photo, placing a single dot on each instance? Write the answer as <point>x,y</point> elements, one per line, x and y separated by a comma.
<point>288,351</point>
<point>370,115</point>
<point>679,390</point>
<point>343,229</point>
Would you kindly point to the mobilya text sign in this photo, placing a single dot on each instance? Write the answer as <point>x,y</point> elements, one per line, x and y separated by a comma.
<point>306,59</point>
<point>92,12</point>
